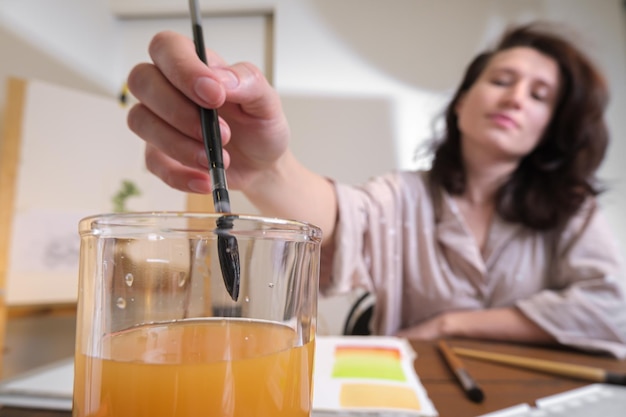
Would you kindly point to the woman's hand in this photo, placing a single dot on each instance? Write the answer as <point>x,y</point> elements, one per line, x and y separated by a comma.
<point>254,131</point>
<point>506,324</point>
<point>431,329</point>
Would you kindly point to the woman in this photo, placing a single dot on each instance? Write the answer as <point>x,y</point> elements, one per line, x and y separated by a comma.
<point>502,239</point>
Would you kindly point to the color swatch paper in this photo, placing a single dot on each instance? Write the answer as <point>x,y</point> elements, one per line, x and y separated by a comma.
<point>356,374</point>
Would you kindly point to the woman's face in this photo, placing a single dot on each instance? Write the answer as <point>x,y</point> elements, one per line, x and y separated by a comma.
<point>505,112</point>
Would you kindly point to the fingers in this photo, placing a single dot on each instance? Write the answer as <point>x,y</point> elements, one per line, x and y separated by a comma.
<point>175,56</point>
<point>253,94</point>
<point>179,154</point>
<point>161,135</point>
<point>178,79</point>
<point>174,174</point>
<point>243,84</point>
<point>167,117</point>
<point>155,92</point>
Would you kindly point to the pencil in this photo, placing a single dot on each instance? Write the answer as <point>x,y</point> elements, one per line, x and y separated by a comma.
<point>471,388</point>
<point>586,373</point>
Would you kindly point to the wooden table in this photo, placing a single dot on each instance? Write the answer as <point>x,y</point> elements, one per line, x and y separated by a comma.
<point>503,386</point>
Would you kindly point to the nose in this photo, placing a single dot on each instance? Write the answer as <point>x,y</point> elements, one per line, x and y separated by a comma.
<point>514,95</point>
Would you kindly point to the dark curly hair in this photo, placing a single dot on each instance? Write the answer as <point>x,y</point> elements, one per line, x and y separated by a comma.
<point>551,182</point>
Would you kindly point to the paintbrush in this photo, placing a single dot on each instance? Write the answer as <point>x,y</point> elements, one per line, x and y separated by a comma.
<point>227,248</point>
<point>472,390</point>
<point>586,373</point>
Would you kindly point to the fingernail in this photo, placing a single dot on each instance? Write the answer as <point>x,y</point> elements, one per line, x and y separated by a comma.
<point>203,88</point>
<point>228,78</point>
<point>199,186</point>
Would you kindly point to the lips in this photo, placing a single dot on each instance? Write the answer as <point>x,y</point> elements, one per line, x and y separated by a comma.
<point>502,120</point>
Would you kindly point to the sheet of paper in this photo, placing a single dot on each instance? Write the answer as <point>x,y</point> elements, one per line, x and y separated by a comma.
<point>592,400</point>
<point>521,410</point>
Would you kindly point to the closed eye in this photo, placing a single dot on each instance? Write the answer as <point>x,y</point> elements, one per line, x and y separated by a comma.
<point>542,92</point>
<point>503,81</point>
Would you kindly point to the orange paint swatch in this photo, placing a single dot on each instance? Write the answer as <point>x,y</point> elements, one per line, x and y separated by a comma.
<point>378,396</point>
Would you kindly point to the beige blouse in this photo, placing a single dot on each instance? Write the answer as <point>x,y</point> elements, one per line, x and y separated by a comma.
<point>420,260</point>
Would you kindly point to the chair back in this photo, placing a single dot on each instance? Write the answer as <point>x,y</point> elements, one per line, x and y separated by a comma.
<point>360,315</point>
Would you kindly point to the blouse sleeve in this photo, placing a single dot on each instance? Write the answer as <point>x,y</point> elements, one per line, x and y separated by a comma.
<point>368,245</point>
<point>585,306</point>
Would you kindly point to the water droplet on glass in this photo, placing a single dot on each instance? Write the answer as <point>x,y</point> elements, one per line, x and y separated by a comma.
<point>121,303</point>
<point>129,279</point>
<point>182,278</point>
<point>271,285</point>
<point>247,299</point>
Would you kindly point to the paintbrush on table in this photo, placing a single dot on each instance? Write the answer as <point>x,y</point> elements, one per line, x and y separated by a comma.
<point>227,248</point>
<point>472,390</point>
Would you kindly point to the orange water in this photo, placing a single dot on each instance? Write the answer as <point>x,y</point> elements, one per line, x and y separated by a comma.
<point>197,369</point>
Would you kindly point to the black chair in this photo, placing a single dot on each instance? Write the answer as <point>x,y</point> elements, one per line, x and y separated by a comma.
<point>359,317</point>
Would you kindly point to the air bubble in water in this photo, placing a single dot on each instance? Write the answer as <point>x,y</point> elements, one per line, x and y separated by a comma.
<point>129,279</point>
<point>121,303</point>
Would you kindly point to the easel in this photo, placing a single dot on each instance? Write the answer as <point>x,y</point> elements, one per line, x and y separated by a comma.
<point>9,157</point>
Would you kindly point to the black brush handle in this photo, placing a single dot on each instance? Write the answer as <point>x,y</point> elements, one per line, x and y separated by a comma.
<point>615,378</point>
<point>227,247</point>
<point>213,138</point>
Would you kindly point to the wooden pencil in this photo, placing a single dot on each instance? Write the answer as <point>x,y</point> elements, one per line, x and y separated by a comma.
<point>587,373</point>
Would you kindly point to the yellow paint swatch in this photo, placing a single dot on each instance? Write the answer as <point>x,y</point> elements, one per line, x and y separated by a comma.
<point>378,396</point>
<point>368,363</point>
